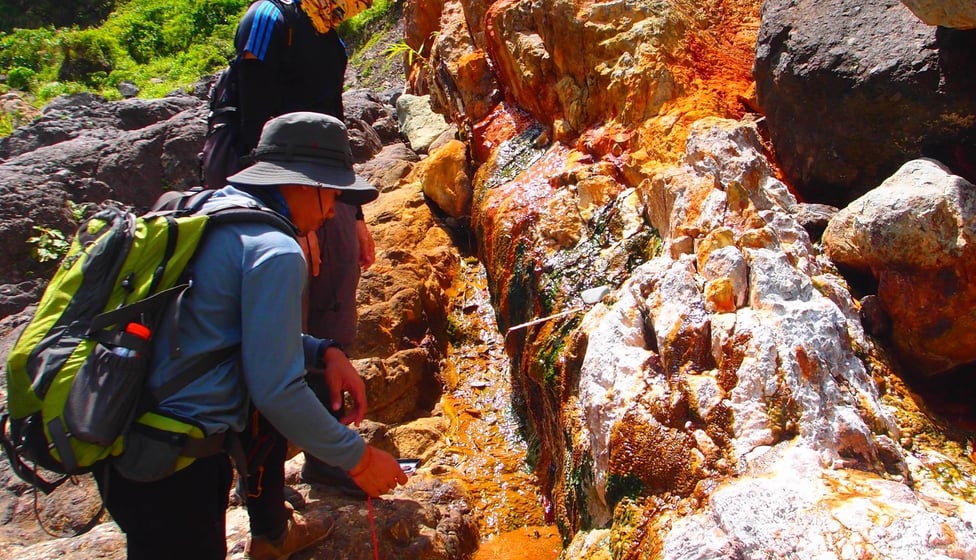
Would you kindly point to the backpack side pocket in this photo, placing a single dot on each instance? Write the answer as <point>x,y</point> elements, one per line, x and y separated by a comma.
<point>103,396</point>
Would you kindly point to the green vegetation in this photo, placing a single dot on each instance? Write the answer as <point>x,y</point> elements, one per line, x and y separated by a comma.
<point>361,28</point>
<point>578,479</point>
<point>620,486</point>
<point>159,45</point>
<point>401,49</point>
<point>6,123</point>
<point>365,34</point>
<point>38,13</point>
<point>48,245</point>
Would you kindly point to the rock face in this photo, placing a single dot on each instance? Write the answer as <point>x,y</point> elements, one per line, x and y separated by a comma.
<point>724,399</point>
<point>821,66</point>
<point>959,14</point>
<point>83,150</point>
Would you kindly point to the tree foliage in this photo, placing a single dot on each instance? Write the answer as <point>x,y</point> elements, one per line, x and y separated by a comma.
<point>160,45</point>
<point>53,47</point>
<point>30,14</point>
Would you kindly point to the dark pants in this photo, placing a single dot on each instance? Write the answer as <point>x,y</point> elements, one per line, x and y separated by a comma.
<point>332,294</point>
<point>180,516</point>
<point>266,450</point>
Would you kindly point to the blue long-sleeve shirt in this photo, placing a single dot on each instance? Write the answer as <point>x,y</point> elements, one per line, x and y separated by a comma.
<point>248,280</point>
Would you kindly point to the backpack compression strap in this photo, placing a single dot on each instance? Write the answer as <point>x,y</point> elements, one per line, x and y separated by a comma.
<point>20,468</point>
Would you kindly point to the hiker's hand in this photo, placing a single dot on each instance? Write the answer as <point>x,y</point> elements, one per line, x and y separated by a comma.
<point>367,247</point>
<point>341,378</point>
<point>377,472</point>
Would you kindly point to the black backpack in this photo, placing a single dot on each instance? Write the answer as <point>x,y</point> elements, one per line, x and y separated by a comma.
<point>220,156</point>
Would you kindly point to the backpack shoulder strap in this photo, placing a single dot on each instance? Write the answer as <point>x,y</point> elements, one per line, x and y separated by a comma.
<point>290,11</point>
<point>191,202</point>
<point>262,215</point>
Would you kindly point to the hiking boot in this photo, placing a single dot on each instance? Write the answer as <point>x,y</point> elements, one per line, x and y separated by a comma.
<point>317,472</point>
<point>301,533</point>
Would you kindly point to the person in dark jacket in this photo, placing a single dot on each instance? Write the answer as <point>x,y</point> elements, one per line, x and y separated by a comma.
<point>292,59</point>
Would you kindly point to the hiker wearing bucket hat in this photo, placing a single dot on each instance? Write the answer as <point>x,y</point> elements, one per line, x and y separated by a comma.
<point>248,278</point>
<point>305,157</point>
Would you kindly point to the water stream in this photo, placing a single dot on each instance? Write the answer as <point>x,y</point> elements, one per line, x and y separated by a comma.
<point>485,449</point>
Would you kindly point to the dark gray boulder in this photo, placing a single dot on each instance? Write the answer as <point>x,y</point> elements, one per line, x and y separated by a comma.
<point>853,89</point>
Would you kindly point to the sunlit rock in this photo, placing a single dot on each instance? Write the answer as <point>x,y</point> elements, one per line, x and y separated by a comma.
<point>418,122</point>
<point>636,66</point>
<point>915,235</point>
<point>444,176</point>
<point>715,392</point>
<point>958,14</point>
<point>794,508</point>
<point>727,267</point>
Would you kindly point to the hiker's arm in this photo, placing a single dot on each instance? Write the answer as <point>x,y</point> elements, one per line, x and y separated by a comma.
<point>340,375</point>
<point>261,42</point>
<point>273,362</point>
<point>342,378</point>
<point>367,247</point>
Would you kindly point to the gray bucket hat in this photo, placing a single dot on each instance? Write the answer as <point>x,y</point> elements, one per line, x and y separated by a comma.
<point>306,148</point>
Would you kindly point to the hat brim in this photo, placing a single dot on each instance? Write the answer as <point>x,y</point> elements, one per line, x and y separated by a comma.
<point>353,189</point>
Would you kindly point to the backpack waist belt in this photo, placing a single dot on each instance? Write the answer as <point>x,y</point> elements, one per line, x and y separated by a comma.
<point>200,448</point>
<point>225,442</point>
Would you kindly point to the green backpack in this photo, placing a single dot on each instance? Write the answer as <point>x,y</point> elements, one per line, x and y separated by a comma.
<point>76,376</point>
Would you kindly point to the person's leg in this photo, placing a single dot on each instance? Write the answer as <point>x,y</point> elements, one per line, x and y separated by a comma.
<point>169,518</point>
<point>276,530</point>
<point>332,294</point>
<point>265,449</point>
<point>318,472</point>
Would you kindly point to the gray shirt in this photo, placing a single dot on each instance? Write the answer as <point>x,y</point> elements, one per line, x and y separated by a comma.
<point>248,280</point>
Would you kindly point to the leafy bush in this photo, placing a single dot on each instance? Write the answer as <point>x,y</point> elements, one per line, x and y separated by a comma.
<point>51,90</point>
<point>143,40</point>
<point>155,29</point>
<point>358,29</point>
<point>48,245</point>
<point>21,78</point>
<point>6,124</point>
<point>119,76</point>
<point>60,13</point>
<point>29,48</point>
<point>207,16</point>
<point>86,53</point>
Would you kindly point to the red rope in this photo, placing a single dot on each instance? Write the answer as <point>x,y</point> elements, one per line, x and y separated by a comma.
<point>372,528</point>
